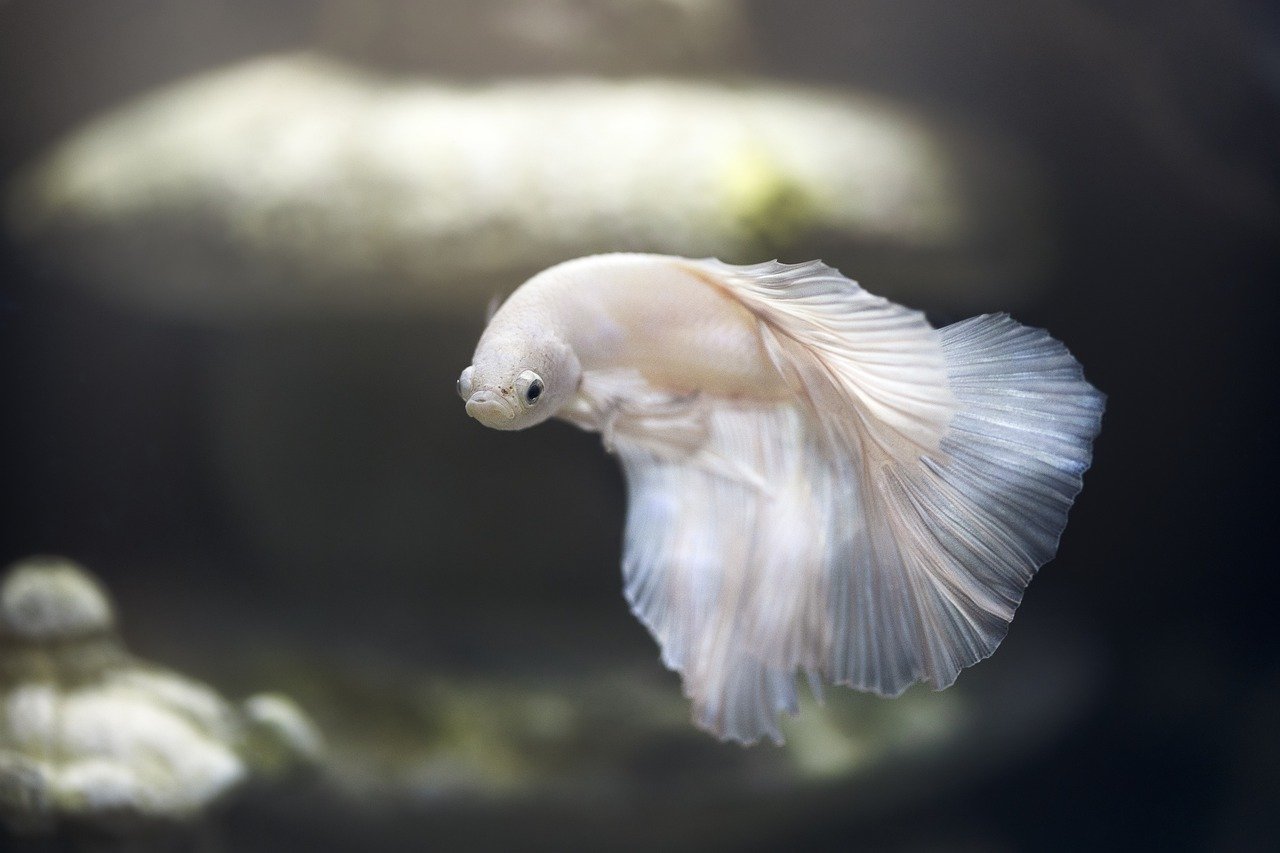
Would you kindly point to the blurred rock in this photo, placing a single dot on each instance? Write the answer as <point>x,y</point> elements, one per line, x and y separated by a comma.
<point>279,737</point>
<point>93,737</point>
<point>556,722</point>
<point>296,185</point>
<point>591,741</point>
<point>45,600</point>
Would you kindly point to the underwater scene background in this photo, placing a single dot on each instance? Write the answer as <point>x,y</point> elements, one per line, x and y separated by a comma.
<point>245,249</point>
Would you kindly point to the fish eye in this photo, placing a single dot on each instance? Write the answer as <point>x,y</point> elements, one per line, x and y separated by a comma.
<point>529,386</point>
<point>464,383</point>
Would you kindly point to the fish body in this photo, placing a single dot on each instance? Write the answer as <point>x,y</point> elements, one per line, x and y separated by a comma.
<point>818,480</point>
<point>646,313</point>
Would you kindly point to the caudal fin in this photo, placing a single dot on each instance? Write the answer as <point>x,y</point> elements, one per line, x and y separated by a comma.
<point>880,528</point>
<point>952,541</point>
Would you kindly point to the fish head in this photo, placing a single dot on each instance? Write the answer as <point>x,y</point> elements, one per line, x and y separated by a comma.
<point>514,388</point>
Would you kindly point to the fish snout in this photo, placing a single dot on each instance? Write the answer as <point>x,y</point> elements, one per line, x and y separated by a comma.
<point>490,408</point>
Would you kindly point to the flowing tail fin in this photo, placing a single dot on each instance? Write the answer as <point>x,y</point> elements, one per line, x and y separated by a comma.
<point>880,554</point>
<point>951,542</point>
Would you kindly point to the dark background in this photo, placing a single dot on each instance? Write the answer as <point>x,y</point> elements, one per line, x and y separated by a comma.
<point>1156,127</point>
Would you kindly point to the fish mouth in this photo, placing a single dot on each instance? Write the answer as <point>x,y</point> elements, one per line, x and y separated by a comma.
<point>490,408</point>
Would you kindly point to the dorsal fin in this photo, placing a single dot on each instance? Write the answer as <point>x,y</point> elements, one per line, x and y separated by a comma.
<point>872,372</point>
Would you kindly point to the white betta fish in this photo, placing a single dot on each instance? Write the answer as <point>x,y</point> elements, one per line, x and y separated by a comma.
<point>818,479</point>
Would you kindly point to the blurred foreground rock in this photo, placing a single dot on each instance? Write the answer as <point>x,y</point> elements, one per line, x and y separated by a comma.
<point>93,737</point>
<point>294,185</point>
<point>571,732</point>
<point>560,725</point>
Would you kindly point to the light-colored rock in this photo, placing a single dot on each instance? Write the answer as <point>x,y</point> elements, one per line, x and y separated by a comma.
<point>90,735</point>
<point>280,735</point>
<point>295,184</point>
<point>49,597</point>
